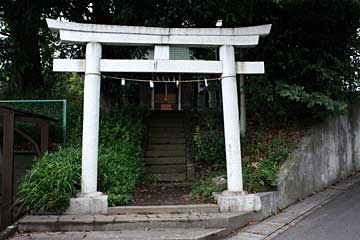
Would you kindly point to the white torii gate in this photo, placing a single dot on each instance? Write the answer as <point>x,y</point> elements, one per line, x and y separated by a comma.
<point>94,36</point>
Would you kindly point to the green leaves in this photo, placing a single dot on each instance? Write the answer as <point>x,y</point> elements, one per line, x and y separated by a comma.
<point>204,188</point>
<point>53,180</point>
<point>263,157</point>
<point>209,146</point>
<point>311,100</point>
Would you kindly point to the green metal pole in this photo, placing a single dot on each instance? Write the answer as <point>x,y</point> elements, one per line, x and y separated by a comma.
<point>64,119</point>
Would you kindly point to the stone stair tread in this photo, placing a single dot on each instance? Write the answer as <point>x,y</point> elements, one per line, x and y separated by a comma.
<point>165,128</point>
<point>99,218</point>
<point>149,234</point>
<point>165,123</point>
<point>166,134</point>
<point>165,147</point>
<point>164,160</point>
<point>161,209</point>
<point>171,168</point>
<point>73,223</point>
<point>164,153</point>
<point>168,177</point>
<point>166,140</point>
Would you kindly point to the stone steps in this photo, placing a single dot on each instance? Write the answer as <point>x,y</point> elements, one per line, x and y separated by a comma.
<point>168,209</point>
<point>167,134</point>
<point>165,140</point>
<point>164,160</point>
<point>166,147</point>
<point>148,234</point>
<point>74,223</point>
<point>165,123</point>
<point>165,155</point>
<point>159,169</point>
<point>168,177</point>
<point>158,131</point>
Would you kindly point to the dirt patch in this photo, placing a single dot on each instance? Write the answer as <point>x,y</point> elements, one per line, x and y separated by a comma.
<point>159,194</point>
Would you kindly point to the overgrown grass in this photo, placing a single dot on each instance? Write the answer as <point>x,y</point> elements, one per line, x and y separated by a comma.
<point>204,189</point>
<point>51,182</point>
<point>263,152</point>
<point>56,178</point>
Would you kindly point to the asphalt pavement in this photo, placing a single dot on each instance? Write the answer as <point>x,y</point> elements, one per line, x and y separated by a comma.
<point>337,220</point>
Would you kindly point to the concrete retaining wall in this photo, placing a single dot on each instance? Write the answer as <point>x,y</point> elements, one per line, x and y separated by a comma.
<point>327,153</point>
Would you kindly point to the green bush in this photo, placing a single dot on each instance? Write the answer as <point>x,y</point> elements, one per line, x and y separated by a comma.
<point>121,164</point>
<point>53,180</point>
<point>263,152</point>
<point>263,160</point>
<point>204,188</point>
<point>209,146</point>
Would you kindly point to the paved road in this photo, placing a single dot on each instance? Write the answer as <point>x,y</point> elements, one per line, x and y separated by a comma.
<point>337,220</point>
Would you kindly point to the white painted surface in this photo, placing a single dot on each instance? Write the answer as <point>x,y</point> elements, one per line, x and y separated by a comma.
<point>148,40</point>
<point>69,65</point>
<point>96,204</point>
<point>238,202</point>
<point>162,52</point>
<point>132,35</point>
<point>159,66</point>
<point>90,138</point>
<point>250,67</point>
<point>55,25</point>
<point>231,120</point>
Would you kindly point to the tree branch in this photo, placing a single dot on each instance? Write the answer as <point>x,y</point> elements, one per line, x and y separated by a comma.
<point>5,33</point>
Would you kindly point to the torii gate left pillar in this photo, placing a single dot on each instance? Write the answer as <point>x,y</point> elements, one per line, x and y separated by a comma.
<point>90,200</point>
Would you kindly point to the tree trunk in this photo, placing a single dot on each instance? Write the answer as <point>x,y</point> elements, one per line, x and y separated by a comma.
<point>23,18</point>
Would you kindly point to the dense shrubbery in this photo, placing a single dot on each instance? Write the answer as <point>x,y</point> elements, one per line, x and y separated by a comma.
<point>51,182</point>
<point>121,162</point>
<point>209,146</point>
<point>263,152</point>
<point>204,188</point>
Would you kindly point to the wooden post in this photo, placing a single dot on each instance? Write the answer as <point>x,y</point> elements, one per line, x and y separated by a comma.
<point>7,169</point>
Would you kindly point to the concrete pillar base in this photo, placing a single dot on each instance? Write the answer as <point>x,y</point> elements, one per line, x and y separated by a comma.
<point>95,203</point>
<point>237,201</point>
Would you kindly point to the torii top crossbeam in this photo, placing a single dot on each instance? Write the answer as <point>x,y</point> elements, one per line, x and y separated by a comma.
<point>160,38</point>
<point>147,36</point>
<point>94,36</point>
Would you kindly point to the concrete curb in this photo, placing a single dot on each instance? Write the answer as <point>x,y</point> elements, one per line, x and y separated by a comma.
<point>277,224</point>
<point>72,223</point>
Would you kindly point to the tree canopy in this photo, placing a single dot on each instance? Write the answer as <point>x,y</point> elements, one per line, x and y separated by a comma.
<point>311,55</point>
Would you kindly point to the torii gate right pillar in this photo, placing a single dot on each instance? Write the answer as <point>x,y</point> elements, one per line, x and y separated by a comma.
<point>234,199</point>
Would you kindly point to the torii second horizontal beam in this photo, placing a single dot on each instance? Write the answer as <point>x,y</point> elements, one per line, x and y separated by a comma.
<point>158,66</point>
